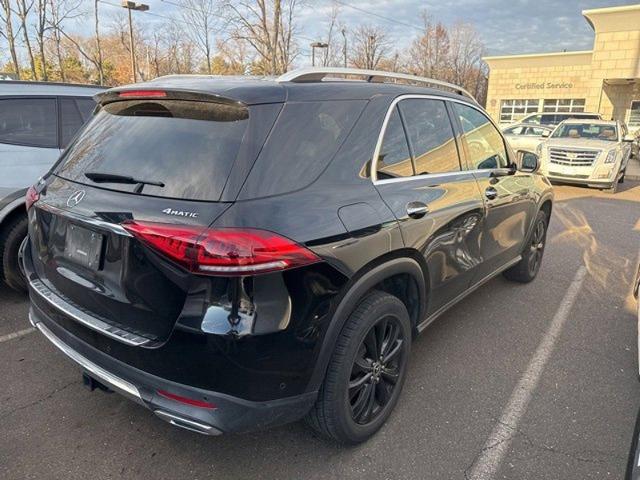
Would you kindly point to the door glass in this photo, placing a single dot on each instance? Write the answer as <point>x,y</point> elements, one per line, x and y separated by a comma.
<point>29,121</point>
<point>394,159</point>
<point>430,136</point>
<point>485,145</point>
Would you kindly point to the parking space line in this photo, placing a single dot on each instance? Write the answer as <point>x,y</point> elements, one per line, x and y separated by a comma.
<point>488,462</point>
<point>18,334</point>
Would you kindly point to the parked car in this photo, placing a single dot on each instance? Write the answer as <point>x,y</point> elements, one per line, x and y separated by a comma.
<point>236,253</point>
<point>523,136</point>
<point>553,119</point>
<point>593,153</point>
<point>37,121</point>
<point>633,464</point>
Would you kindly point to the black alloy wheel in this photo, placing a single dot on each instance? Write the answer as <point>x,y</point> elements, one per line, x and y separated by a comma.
<point>537,247</point>
<point>367,370</point>
<point>376,369</point>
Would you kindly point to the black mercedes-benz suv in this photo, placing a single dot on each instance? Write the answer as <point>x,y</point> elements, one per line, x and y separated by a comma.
<point>235,253</point>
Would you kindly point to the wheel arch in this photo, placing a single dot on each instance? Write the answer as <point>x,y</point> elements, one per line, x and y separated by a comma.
<point>378,274</point>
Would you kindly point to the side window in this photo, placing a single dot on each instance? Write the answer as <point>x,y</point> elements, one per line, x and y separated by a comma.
<point>74,112</point>
<point>394,159</point>
<point>485,146</point>
<point>86,107</point>
<point>514,131</point>
<point>534,119</point>
<point>29,121</point>
<point>430,136</point>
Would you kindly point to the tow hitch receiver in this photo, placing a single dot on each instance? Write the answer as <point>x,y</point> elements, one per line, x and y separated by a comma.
<point>92,384</point>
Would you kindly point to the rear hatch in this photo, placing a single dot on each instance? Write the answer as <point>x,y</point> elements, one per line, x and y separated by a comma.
<point>140,160</point>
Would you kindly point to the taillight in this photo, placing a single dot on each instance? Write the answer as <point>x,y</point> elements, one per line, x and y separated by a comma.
<point>142,93</point>
<point>31,197</point>
<point>224,251</point>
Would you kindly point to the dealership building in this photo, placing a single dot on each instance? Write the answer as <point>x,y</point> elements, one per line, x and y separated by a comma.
<point>605,79</point>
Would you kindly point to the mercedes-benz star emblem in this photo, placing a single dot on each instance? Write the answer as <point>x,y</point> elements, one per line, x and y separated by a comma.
<point>75,198</point>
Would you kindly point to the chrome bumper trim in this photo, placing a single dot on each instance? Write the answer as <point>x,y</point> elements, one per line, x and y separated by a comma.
<point>186,423</point>
<point>108,378</point>
<point>87,320</point>
<point>94,222</point>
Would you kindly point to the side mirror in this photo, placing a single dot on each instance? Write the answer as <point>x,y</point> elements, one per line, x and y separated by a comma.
<point>546,133</point>
<point>628,138</point>
<point>529,161</point>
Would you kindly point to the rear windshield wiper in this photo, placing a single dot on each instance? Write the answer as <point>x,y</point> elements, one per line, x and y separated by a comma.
<point>98,177</point>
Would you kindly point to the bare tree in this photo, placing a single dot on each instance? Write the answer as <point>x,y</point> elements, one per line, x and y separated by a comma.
<point>202,21</point>
<point>42,25</point>
<point>429,53</point>
<point>24,8</point>
<point>467,49</point>
<point>6,17</point>
<point>98,62</point>
<point>93,54</point>
<point>332,55</point>
<point>370,47</point>
<point>268,26</point>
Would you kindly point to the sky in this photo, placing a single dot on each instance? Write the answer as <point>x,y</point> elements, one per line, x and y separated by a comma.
<point>506,26</point>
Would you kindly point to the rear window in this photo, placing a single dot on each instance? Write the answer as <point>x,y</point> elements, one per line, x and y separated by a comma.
<point>305,138</point>
<point>188,147</point>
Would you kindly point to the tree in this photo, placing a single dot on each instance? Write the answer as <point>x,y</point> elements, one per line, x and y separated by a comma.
<point>268,26</point>
<point>428,55</point>
<point>6,17</point>
<point>42,25</point>
<point>332,55</point>
<point>370,47</point>
<point>201,20</point>
<point>24,8</point>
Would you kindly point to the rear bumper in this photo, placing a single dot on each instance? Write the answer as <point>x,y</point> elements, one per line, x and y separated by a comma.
<point>230,414</point>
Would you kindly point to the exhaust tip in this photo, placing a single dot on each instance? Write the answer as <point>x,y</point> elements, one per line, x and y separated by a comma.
<point>187,424</point>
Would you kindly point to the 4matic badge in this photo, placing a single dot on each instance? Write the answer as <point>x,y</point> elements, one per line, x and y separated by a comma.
<point>179,213</point>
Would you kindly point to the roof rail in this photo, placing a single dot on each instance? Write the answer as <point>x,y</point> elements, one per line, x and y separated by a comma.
<point>317,74</point>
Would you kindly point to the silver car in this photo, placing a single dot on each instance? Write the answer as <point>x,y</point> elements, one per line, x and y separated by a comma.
<point>588,152</point>
<point>525,136</point>
<point>37,121</point>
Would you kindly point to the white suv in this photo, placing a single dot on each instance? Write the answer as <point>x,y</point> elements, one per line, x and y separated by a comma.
<point>37,121</point>
<point>588,152</point>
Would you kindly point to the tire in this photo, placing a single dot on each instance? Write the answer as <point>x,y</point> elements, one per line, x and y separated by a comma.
<point>10,241</point>
<point>358,394</point>
<point>527,268</point>
<point>613,188</point>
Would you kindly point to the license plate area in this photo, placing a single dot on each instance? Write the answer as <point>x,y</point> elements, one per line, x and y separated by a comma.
<point>83,247</point>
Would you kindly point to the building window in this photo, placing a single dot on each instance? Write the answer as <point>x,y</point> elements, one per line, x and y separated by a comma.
<point>560,105</point>
<point>634,114</point>
<point>513,110</point>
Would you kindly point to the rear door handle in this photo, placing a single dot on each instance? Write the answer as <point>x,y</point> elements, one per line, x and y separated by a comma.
<point>491,193</point>
<point>417,209</point>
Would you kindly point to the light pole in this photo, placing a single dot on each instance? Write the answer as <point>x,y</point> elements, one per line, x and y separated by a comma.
<point>141,7</point>
<point>344,49</point>
<point>315,45</point>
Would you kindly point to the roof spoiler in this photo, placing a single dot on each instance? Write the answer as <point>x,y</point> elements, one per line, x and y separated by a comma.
<point>144,92</point>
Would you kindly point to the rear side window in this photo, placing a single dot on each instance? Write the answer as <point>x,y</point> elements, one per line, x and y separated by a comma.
<point>74,112</point>
<point>305,138</point>
<point>484,144</point>
<point>187,146</point>
<point>430,136</point>
<point>394,159</point>
<point>29,121</point>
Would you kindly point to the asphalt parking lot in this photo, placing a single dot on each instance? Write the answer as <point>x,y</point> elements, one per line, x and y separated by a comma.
<point>533,381</point>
